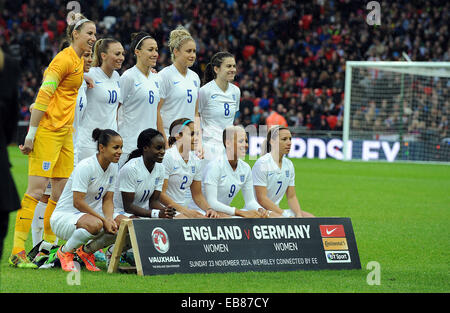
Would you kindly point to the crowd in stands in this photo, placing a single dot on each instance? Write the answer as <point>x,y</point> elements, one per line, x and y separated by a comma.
<point>290,54</point>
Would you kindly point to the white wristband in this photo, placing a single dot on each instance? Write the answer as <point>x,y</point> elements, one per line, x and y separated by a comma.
<point>155,213</point>
<point>31,132</point>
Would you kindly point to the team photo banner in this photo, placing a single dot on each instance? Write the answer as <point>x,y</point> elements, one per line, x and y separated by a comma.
<point>238,245</point>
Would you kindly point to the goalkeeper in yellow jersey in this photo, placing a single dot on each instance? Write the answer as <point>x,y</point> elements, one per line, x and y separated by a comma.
<point>49,143</point>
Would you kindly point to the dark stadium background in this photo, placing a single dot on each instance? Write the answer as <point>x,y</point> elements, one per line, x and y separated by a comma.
<point>290,54</point>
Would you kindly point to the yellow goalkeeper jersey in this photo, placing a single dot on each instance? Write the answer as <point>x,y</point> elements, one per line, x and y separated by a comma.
<point>58,93</point>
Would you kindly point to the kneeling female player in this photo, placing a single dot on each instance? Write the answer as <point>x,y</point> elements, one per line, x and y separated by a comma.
<point>84,215</point>
<point>141,179</point>
<point>274,175</point>
<point>183,172</point>
<point>224,177</point>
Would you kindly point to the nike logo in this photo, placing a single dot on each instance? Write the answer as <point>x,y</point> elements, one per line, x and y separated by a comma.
<point>24,218</point>
<point>223,176</point>
<point>270,174</point>
<point>214,96</point>
<point>176,167</point>
<point>329,232</point>
<point>98,82</point>
<point>139,181</point>
<point>92,178</point>
<point>176,82</point>
<point>138,84</point>
<point>41,218</point>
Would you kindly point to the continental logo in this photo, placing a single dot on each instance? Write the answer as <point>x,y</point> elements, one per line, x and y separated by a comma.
<point>335,243</point>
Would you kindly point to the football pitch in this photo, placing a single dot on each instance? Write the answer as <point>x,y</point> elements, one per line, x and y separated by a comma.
<point>400,215</point>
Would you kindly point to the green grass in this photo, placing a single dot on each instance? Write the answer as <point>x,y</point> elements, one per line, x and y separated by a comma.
<point>400,214</point>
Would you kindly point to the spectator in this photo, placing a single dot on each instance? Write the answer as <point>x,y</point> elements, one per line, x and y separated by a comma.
<point>256,116</point>
<point>302,47</point>
<point>275,118</point>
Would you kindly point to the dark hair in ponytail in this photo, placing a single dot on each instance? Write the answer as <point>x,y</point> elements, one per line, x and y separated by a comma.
<point>136,40</point>
<point>216,61</point>
<point>178,130</point>
<point>144,140</point>
<point>103,136</point>
<point>271,134</point>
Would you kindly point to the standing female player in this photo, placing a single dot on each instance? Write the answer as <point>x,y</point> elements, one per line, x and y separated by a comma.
<point>218,102</point>
<point>81,103</point>
<point>223,178</point>
<point>141,179</point>
<point>86,210</point>
<point>37,226</point>
<point>183,172</point>
<point>179,84</point>
<point>49,141</point>
<point>103,100</point>
<point>140,93</point>
<point>274,175</point>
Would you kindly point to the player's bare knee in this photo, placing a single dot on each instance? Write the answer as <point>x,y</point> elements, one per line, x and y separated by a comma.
<point>92,224</point>
<point>35,191</point>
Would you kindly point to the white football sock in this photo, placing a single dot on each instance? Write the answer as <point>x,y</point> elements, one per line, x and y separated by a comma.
<point>79,237</point>
<point>37,225</point>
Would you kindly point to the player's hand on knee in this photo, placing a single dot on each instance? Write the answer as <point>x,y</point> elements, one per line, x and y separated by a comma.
<point>168,212</point>
<point>110,226</point>
<point>264,213</point>
<point>211,213</point>
<point>250,214</point>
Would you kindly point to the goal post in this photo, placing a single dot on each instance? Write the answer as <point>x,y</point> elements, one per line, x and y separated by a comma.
<point>396,111</point>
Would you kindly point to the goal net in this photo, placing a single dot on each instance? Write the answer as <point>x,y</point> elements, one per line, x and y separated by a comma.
<point>397,111</point>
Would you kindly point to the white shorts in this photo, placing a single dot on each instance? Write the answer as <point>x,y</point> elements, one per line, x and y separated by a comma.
<point>85,152</point>
<point>288,213</point>
<point>121,212</point>
<point>63,223</point>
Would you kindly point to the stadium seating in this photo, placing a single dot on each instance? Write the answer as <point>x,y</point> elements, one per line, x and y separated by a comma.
<point>287,52</point>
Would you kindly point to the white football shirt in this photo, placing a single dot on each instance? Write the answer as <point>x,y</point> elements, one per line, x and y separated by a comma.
<point>180,95</point>
<point>79,112</point>
<point>267,173</point>
<point>88,177</point>
<point>217,109</point>
<point>134,177</point>
<point>138,111</point>
<point>222,183</point>
<point>180,174</point>
<point>101,107</point>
